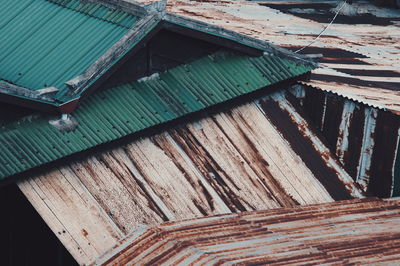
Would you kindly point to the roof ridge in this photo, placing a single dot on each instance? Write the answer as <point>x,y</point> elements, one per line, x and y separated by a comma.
<point>79,83</point>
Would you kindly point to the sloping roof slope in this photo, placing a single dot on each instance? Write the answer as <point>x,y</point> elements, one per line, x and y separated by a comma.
<point>242,159</point>
<point>121,111</point>
<point>46,43</point>
<point>348,232</point>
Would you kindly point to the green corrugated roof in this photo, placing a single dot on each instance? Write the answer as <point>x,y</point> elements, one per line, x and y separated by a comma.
<point>46,43</point>
<point>121,111</point>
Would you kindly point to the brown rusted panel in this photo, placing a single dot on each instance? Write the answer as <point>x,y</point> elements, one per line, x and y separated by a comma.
<point>384,154</point>
<point>333,233</point>
<point>393,86</point>
<point>304,148</point>
<point>351,157</point>
<point>370,73</point>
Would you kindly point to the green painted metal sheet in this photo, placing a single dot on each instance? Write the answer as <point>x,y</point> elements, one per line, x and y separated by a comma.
<point>121,111</point>
<point>45,43</point>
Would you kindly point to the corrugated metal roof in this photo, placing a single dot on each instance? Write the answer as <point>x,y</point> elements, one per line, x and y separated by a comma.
<point>57,51</point>
<point>46,43</point>
<point>241,159</point>
<point>348,232</point>
<point>364,138</point>
<point>362,48</point>
<point>118,112</point>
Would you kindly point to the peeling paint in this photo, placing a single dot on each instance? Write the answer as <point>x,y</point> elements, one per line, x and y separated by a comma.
<point>334,233</point>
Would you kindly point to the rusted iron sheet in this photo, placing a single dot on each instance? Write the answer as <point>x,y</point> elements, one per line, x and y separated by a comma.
<point>363,59</point>
<point>364,138</point>
<point>347,232</point>
<point>283,111</point>
<point>232,161</point>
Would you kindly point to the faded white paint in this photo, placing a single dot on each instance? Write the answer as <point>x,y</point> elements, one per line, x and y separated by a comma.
<point>364,165</point>
<point>342,144</point>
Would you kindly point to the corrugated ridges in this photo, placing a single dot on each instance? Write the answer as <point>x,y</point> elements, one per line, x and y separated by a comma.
<point>98,11</point>
<point>230,161</point>
<point>46,43</point>
<point>333,233</point>
<point>112,114</point>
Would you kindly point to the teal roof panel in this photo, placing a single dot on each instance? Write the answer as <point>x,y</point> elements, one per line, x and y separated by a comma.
<point>46,43</point>
<point>111,114</point>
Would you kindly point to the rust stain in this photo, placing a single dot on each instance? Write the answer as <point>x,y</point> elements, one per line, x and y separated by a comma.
<point>84,232</point>
<point>338,233</point>
<point>305,149</point>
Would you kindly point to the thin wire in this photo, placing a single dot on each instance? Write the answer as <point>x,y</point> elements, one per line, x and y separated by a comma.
<point>322,32</point>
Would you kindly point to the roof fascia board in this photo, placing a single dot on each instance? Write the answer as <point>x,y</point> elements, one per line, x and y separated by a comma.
<point>225,42</point>
<point>115,53</point>
<point>40,105</point>
<point>46,94</point>
<point>237,37</point>
<point>133,8</point>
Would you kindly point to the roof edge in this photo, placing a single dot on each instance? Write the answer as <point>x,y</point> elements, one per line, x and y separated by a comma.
<point>118,50</point>
<point>45,94</point>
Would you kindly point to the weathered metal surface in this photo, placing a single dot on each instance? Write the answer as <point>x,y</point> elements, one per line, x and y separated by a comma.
<point>121,111</point>
<point>332,233</point>
<point>40,40</point>
<point>96,38</point>
<point>364,138</point>
<point>359,49</point>
<point>236,160</point>
<point>360,59</point>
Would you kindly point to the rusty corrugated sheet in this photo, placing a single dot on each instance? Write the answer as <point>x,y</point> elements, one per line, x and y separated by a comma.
<point>362,53</point>
<point>348,232</point>
<point>241,159</point>
<point>360,56</point>
<point>364,138</point>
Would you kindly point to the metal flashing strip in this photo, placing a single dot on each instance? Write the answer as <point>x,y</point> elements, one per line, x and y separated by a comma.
<point>45,94</point>
<point>116,52</point>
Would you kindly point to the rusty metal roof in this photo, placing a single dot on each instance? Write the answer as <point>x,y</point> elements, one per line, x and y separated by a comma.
<point>357,231</point>
<point>260,155</point>
<point>360,55</point>
<point>365,139</point>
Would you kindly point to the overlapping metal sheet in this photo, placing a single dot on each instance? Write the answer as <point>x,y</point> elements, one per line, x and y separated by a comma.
<point>46,43</point>
<point>347,232</point>
<point>118,112</point>
<point>242,159</point>
<point>364,138</point>
<point>361,51</point>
